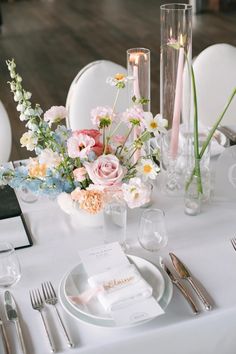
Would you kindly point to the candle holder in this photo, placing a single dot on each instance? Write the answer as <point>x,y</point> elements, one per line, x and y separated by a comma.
<point>138,67</point>
<point>175,90</point>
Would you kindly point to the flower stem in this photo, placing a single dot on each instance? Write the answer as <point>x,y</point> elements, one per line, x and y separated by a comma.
<point>127,137</point>
<point>215,126</point>
<point>196,141</point>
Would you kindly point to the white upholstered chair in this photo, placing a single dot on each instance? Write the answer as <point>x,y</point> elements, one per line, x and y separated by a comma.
<point>215,72</point>
<point>89,90</point>
<point>5,135</point>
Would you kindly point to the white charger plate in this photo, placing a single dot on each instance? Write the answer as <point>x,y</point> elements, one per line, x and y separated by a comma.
<point>76,280</point>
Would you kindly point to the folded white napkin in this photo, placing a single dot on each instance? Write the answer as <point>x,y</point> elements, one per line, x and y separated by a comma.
<point>120,287</point>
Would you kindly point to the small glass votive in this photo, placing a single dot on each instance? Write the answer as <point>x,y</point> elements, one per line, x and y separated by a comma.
<point>114,224</point>
<point>26,195</point>
<point>10,271</point>
<point>152,230</point>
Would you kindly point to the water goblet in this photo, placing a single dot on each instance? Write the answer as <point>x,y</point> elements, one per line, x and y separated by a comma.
<point>152,234</point>
<point>10,271</point>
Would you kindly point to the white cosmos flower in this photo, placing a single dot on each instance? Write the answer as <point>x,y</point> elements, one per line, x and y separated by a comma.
<point>147,169</point>
<point>155,124</point>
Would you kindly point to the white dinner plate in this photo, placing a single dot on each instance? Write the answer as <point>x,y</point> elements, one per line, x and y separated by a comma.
<point>94,313</point>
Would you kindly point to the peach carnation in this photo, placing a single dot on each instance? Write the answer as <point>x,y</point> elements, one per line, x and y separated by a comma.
<point>90,200</point>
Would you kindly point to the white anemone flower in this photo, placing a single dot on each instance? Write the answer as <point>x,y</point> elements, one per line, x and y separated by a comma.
<point>147,169</point>
<point>155,124</point>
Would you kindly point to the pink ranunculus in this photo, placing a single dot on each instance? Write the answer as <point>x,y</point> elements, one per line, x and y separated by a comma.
<point>95,134</point>
<point>105,171</point>
<point>79,174</point>
<point>55,114</point>
<point>80,145</point>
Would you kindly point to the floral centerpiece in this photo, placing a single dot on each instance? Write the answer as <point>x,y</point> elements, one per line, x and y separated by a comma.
<point>84,167</point>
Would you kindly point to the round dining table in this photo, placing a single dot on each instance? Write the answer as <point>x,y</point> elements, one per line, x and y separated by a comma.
<point>202,242</point>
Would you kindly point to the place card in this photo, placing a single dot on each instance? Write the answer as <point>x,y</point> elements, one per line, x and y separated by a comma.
<point>103,258</point>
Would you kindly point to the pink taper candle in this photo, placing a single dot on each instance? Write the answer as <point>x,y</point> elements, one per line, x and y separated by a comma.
<point>174,142</point>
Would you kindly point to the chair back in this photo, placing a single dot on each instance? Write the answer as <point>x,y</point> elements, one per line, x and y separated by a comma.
<point>215,74</point>
<point>5,135</point>
<point>89,90</point>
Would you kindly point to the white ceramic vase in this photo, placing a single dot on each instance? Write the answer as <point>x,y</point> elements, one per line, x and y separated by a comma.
<point>79,217</point>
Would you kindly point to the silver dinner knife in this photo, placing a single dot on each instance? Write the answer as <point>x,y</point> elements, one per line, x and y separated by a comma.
<point>182,289</point>
<point>4,338</point>
<point>12,315</point>
<point>184,274</point>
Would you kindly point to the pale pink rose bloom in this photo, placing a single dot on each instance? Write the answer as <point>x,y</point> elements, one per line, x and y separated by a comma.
<point>55,114</point>
<point>136,193</point>
<point>105,171</point>
<point>79,146</point>
<point>79,174</point>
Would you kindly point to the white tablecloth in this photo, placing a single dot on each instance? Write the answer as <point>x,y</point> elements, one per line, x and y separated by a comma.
<point>202,242</point>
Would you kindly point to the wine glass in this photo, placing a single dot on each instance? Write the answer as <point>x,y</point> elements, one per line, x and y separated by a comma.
<point>152,230</point>
<point>10,272</point>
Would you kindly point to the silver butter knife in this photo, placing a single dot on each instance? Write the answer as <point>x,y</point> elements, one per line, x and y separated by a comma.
<point>182,289</point>
<point>4,338</point>
<point>12,315</point>
<point>184,274</point>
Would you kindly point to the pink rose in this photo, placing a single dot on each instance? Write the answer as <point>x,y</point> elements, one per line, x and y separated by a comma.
<point>79,174</point>
<point>95,134</point>
<point>105,171</point>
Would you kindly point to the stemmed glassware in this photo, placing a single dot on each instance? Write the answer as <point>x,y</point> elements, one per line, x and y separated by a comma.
<point>152,230</point>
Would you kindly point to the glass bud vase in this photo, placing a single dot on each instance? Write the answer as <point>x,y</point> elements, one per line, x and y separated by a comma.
<point>175,88</point>
<point>197,183</point>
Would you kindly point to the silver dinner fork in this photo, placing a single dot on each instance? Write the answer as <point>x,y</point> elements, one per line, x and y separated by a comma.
<point>50,297</point>
<point>233,242</point>
<point>37,304</point>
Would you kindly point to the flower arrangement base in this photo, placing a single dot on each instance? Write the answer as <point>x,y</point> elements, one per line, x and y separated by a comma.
<point>81,218</point>
<point>78,217</point>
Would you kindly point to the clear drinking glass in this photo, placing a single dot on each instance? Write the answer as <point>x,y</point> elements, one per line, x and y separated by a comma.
<point>152,230</point>
<point>115,220</point>
<point>10,271</point>
<point>27,196</point>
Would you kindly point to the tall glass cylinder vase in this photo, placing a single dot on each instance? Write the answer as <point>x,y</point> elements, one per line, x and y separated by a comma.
<point>175,91</point>
<point>138,67</point>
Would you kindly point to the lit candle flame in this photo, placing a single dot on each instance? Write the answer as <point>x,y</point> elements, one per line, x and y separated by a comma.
<point>134,57</point>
